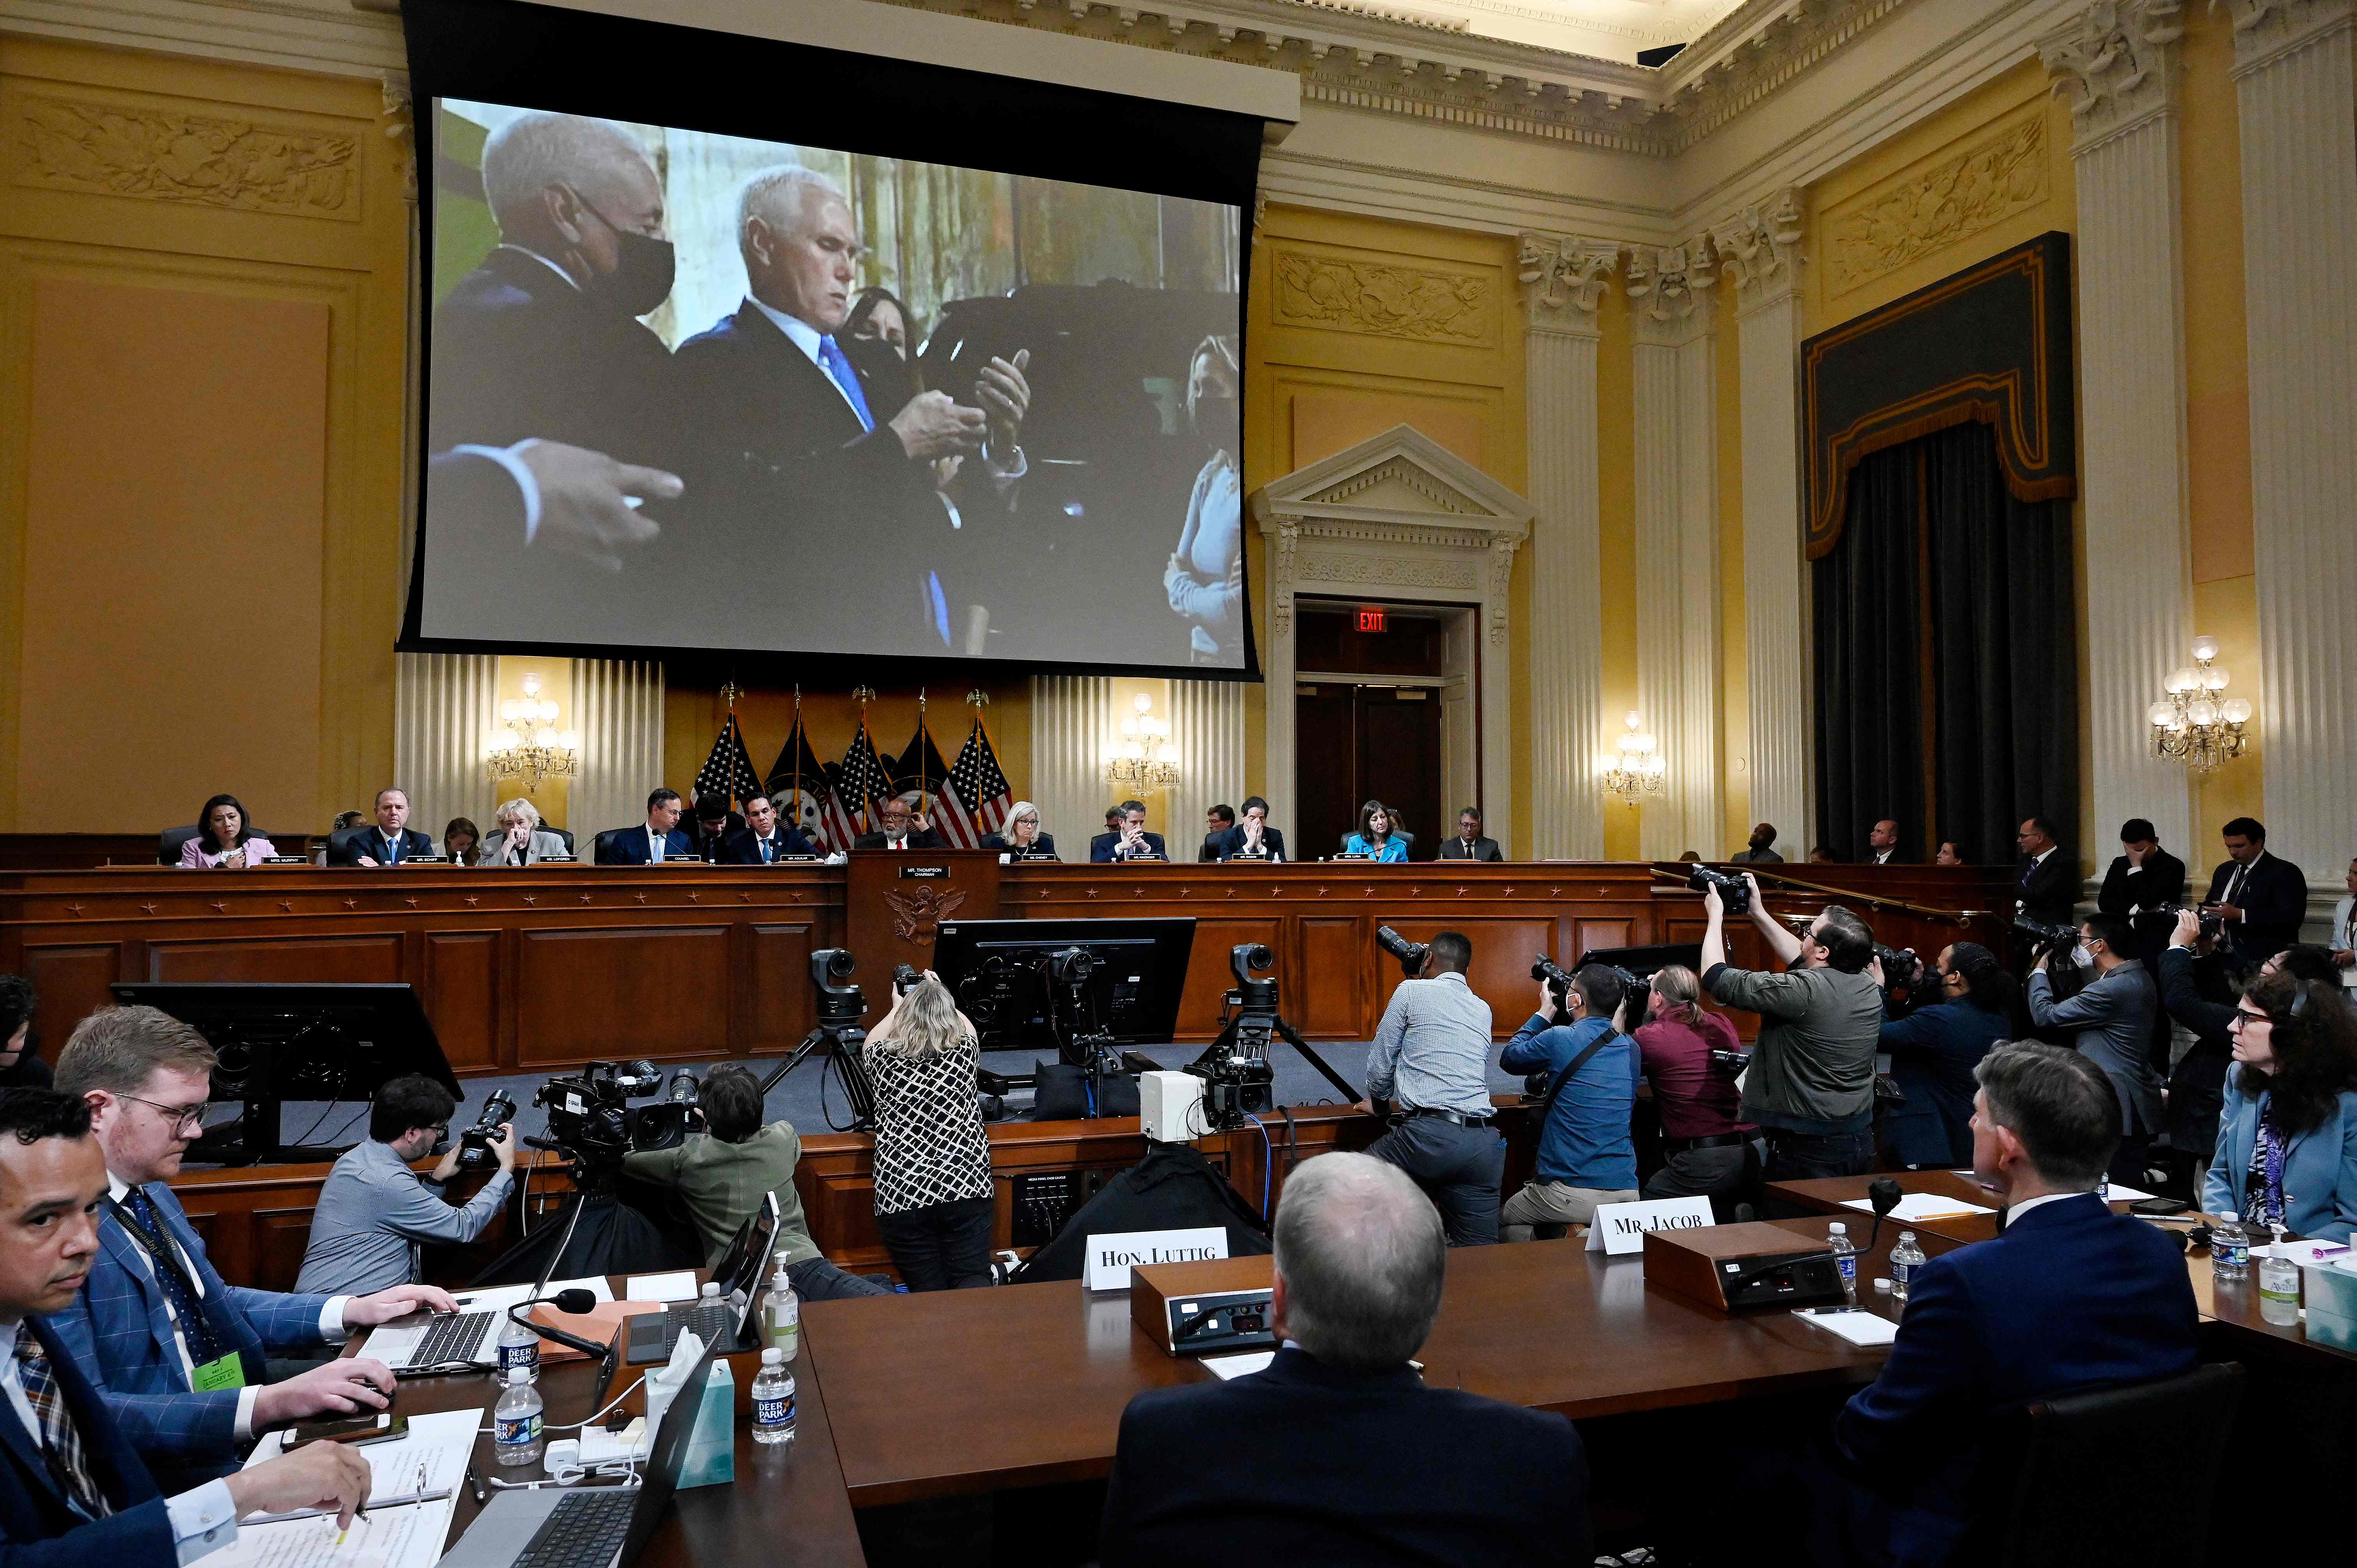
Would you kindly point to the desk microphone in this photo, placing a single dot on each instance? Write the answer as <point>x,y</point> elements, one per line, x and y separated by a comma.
<point>576,1300</point>
<point>1884,1194</point>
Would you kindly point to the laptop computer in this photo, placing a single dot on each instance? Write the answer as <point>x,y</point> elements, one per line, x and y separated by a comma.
<point>727,1319</point>
<point>586,1526</point>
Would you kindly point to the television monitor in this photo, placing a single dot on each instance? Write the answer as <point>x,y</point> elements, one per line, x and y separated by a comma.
<point>999,970</point>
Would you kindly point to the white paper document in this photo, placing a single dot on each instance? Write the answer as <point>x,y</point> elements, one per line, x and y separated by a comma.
<point>499,1298</point>
<point>2130,1194</point>
<point>1226,1367</point>
<point>1859,1326</point>
<point>679,1286</point>
<point>430,1462</point>
<point>1918,1206</point>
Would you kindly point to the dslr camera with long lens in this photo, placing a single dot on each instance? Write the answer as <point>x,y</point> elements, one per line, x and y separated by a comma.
<point>1558,979</point>
<point>1906,983</point>
<point>1733,891</point>
<point>2211,922</point>
<point>1410,955</point>
<point>590,1116</point>
<point>475,1142</point>
<point>2045,934</point>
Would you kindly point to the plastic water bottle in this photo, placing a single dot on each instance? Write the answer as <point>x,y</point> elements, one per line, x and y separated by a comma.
<point>1844,1253</point>
<point>2229,1251</point>
<point>2278,1284</point>
<point>519,1348</point>
<point>781,1316</point>
<point>773,1400</point>
<point>1905,1258</point>
<point>516,1430</point>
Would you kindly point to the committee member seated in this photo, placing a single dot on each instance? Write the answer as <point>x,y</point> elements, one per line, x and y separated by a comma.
<point>710,824</point>
<point>2261,897</point>
<point>73,1490</point>
<point>1375,838</point>
<point>1585,1155</point>
<point>721,1173</point>
<point>518,839</point>
<point>1468,844</point>
<point>177,1352</point>
<point>934,1192</point>
<point>1811,1083</point>
<point>462,840</point>
<point>658,841</point>
<point>389,843</point>
<point>1252,838</point>
<point>374,1212</point>
<point>1218,824</point>
<point>1431,1055</point>
<point>2067,1297</point>
<point>1022,836</point>
<point>1354,1459</point>
<point>763,839</point>
<point>2343,944</point>
<point>1710,1151</point>
<point>1760,850</point>
<point>2287,1149</point>
<point>898,826</point>
<point>1933,1051</point>
<point>1129,840</point>
<point>225,839</point>
<point>21,1066</point>
<point>2111,1019</point>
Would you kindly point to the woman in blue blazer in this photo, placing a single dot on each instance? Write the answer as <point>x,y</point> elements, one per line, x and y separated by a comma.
<point>1374,838</point>
<point>2287,1141</point>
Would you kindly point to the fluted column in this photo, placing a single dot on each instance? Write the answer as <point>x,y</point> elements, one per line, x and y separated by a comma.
<point>445,707</point>
<point>2117,63</point>
<point>1761,249</point>
<point>1073,722</point>
<point>1677,539</point>
<point>1207,728</point>
<point>1566,279</point>
<point>619,708</point>
<point>2293,74</point>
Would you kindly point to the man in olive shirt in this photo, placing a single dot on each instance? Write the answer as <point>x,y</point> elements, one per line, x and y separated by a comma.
<point>721,1173</point>
<point>1811,1083</point>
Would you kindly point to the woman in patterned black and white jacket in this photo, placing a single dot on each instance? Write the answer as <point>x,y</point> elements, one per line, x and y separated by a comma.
<point>932,1160</point>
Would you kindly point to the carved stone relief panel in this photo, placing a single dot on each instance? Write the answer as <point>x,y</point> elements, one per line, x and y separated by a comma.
<point>162,151</point>
<point>1926,211</point>
<point>1383,298</point>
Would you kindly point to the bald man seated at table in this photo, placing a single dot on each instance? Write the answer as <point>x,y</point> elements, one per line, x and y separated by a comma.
<point>1339,1452</point>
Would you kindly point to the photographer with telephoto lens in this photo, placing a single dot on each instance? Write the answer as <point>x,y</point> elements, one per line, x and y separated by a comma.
<point>374,1211</point>
<point>1585,1156</point>
<point>1811,1083</point>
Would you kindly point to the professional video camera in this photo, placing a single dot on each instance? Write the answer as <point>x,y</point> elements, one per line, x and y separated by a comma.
<point>1239,1080</point>
<point>591,1117</point>
<point>840,1006</point>
<point>475,1142</point>
<point>1410,955</point>
<point>2046,936</point>
<point>1733,891</point>
<point>2211,922</point>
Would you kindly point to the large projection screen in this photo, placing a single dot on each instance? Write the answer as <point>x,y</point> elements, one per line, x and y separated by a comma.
<point>916,363</point>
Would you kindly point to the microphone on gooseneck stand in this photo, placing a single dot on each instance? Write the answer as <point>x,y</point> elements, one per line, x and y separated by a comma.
<point>576,1300</point>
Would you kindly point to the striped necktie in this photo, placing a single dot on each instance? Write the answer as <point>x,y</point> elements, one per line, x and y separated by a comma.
<point>196,1328</point>
<point>60,1443</point>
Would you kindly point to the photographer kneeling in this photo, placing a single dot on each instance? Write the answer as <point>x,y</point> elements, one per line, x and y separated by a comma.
<point>723,1173</point>
<point>1811,1083</point>
<point>374,1211</point>
<point>1585,1156</point>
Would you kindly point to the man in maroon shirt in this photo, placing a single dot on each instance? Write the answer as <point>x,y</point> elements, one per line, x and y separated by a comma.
<point>1711,1152</point>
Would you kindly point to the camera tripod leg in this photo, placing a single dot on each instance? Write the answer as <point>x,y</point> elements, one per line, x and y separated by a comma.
<point>1350,1094</point>
<point>810,1042</point>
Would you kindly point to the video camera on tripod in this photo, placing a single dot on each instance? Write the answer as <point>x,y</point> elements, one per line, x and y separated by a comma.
<point>590,1118</point>
<point>1238,1079</point>
<point>840,1009</point>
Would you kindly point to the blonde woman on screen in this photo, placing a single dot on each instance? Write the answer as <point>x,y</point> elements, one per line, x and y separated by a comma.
<point>1205,577</point>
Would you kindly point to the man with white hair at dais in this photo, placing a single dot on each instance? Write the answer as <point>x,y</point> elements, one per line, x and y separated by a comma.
<point>1337,1452</point>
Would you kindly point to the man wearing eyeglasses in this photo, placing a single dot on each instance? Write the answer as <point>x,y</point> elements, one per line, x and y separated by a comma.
<point>178,1353</point>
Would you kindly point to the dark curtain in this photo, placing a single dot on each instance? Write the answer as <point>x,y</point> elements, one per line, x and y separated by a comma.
<point>1869,632</point>
<point>1947,658</point>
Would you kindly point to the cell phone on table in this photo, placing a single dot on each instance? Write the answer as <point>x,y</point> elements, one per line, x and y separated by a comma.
<point>358,1431</point>
<point>2159,1207</point>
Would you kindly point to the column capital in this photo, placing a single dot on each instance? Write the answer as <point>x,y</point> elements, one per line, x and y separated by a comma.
<point>1668,291</point>
<point>2267,31</point>
<point>1760,248</point>
<point>2116,62</point>
<point>1563,280</point>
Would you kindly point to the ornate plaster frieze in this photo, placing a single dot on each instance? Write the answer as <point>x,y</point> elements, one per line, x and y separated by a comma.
<point>1895,225</point>
<point>2117,63</point>
<point>1383,299</point>
<point>1563,280</point>
<point>169,150</point>
<point>1760,248</point>
<point>2267,31</point>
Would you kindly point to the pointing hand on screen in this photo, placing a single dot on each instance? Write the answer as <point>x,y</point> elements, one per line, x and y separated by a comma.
<point>1008,396</point>
<point>585,501</point>
<point>933,424</point>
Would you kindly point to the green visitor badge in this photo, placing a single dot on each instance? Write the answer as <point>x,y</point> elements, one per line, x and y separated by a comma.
<point>221,1372</point>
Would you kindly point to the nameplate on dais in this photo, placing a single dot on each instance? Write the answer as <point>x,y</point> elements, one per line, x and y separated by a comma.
<point>1621,1228</point>
<point>1115,1254</point>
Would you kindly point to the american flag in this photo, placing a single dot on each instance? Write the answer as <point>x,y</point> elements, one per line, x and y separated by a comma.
<point>979,784</point>
<point>860,781</point>
<point>727,772</point>
<point>920,772</point>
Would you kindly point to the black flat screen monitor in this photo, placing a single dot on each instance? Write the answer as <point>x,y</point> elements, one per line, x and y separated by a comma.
<point>998,972</point>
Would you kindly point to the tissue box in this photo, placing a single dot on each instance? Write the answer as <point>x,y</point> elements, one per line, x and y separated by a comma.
<point>712,1445</point>
<point>2329,1291</point>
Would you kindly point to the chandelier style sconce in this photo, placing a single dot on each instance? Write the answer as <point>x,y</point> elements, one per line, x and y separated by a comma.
<point>540,750</point>
<point>2192,725</point>
<point>1144,756</point>
<point>1638,771</point>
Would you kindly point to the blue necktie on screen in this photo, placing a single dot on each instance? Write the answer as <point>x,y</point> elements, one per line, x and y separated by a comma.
<point>830,359</point>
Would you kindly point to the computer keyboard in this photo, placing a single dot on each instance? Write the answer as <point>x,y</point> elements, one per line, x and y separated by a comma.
<point>452,1337</point>
<point>709,1321</point>
<point>583,1530</point>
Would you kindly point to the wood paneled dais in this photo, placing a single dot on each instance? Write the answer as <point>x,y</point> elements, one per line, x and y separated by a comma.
<point>623,991</point>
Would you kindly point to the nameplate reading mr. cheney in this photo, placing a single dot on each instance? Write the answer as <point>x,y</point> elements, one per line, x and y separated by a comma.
<point>1113,1254</point>
<point>1621,1228</point>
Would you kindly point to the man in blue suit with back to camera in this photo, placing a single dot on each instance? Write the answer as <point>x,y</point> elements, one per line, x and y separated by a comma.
<point>2069,1297</point>
<point>177,1353</point>
<point>659,841</point>
<point>71,1489</point>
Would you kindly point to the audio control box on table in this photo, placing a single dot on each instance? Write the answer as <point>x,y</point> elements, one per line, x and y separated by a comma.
<point>1203,1308</point>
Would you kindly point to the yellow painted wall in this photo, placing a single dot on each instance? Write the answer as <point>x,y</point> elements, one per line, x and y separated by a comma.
<point>551,797</point>
<point>202,277</point>
<point>1312,390</point>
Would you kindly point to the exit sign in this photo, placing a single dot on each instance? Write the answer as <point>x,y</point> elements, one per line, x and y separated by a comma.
<point>1371,618</point>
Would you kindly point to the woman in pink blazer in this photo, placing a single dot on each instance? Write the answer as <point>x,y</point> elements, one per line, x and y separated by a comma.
<point>225,840</point>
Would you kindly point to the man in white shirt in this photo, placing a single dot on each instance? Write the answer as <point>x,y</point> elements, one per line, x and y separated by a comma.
<point>177,1352</point>
<point>658,840</point>
<point>71,1489</point>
